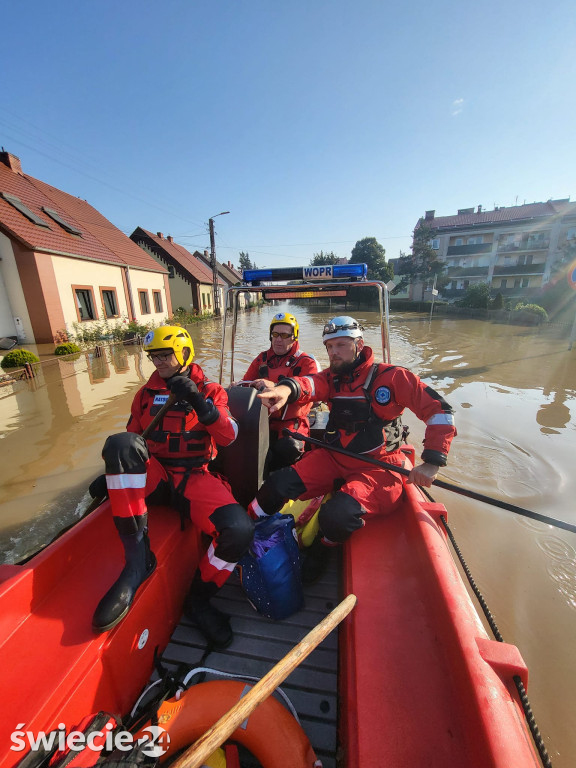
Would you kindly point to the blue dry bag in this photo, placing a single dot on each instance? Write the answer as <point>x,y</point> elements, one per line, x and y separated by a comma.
<point>270,572</point>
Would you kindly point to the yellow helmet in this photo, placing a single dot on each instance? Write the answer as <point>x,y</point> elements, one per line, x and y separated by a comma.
<point>285,317</point>
<point>170,337</point>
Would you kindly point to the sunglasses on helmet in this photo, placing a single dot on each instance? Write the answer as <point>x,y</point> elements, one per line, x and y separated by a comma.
<point>332,328</point>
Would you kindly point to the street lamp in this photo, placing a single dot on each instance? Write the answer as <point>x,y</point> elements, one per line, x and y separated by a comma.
<point>215,291</point>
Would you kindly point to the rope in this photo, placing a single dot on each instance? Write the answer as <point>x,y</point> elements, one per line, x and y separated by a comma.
<point>528,714</point>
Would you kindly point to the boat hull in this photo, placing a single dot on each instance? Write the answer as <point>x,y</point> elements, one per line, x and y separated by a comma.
<point>422,683</point>
<point>55,668</point>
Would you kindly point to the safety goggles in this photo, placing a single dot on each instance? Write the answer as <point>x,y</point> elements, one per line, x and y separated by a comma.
<point>332,328</point>
<point>159,357</point>
<point>277,334</point>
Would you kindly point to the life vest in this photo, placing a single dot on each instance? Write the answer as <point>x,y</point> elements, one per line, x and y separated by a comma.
<point>355,415</point>
<point>291,366</point>
<point>275,368</point>
<point>270,733</point>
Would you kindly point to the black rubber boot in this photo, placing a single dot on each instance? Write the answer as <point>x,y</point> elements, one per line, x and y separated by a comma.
<point>214,625</point>
<point>315,560</point>
<point>140,563</point>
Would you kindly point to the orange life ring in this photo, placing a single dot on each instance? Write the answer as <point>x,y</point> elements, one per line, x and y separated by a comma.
<point>270,733</point>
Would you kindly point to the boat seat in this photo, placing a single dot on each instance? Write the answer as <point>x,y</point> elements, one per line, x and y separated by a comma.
<point>242,462</point>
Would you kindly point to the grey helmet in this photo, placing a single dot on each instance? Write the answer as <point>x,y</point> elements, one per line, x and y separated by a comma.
<point>343,325</point>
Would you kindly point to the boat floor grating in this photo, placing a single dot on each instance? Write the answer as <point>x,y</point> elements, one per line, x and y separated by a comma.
<point>259,643</point>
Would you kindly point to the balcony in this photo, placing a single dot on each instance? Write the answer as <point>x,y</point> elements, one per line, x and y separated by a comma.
<point>466,271</point>
<point>463,250</point>
<point>520,269</point>
<point>524,245</point>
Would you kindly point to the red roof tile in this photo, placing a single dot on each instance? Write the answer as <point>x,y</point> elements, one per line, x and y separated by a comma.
<point>184,258</point>
<point>229,273</point>
<point>100,239</point>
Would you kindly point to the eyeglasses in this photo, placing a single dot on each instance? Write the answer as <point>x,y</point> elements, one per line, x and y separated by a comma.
<point>331,328</point>
<point>276,334</point>
<point>159,357</point>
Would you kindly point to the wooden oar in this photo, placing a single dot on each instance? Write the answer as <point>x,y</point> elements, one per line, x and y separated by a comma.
<point>196,755</point>
<point>440,483</point>
<point>95,503</point>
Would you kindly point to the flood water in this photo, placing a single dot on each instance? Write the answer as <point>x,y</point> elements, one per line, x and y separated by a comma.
<point>514,393</point>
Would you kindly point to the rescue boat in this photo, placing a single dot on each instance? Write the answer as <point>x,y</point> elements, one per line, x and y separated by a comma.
<point>412,679</point>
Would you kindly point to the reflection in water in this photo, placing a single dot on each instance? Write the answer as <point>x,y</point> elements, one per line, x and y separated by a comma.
<point>54,429</point>
<point>513,390</point>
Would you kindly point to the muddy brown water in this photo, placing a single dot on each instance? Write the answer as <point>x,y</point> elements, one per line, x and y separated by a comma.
<point>514,393</point>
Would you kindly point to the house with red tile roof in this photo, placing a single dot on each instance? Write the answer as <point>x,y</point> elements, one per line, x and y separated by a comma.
<point>191,283</point>
<point>62,262</point>
<point>514,249</point>
<point>227,272</point>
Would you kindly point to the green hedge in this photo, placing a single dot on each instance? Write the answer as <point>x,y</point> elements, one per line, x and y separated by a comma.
<point>18,358</point>
<point>67,349</point>
<point>531,312</point>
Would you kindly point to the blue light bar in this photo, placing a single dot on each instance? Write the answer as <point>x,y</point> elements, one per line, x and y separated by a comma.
<point>351,272</point>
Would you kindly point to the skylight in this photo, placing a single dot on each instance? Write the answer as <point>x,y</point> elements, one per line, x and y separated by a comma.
<point>63,223</point>
<point>15,202</point>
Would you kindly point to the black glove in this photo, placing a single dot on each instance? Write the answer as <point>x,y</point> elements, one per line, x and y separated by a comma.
<point>98,488</point>
<point>185,389</point>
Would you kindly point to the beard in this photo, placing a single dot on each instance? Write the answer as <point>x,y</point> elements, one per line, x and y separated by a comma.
<point>343,369</point>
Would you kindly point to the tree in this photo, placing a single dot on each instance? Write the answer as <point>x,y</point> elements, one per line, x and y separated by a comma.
<point>244,262</point>
<point>369,251</point>
<point>497,302</point>
<point>423,263</point>
<point>321,259</point>
<point>477,296</point>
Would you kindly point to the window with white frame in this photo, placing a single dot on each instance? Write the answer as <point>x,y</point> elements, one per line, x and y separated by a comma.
<point>476,240</point>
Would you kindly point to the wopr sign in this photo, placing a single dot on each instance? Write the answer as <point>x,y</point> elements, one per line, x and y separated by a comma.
<point>325,272</point>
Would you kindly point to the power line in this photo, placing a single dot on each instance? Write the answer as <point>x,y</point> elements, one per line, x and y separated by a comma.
<point>82,159</point>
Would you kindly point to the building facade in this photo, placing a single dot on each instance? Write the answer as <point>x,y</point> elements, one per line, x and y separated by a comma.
<point>191,281</point>
<point>514,250</point>
<point>64,266</point>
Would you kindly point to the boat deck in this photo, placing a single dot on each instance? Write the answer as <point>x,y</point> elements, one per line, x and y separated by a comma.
<point>259,643</point>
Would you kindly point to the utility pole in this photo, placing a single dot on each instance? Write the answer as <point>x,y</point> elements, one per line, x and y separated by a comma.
<point>214,265</point>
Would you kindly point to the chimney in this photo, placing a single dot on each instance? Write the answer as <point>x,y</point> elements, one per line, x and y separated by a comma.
<point>170,239</point>
<point>11,161</point>
<point>160,235</point>
<point>479,209</point>
<point>429,215</point>
<point>206,254</point>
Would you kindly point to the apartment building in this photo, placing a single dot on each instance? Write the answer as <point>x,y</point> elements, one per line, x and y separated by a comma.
<point>513,249</point>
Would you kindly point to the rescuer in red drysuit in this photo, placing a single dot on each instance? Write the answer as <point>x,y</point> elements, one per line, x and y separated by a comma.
<point>170,466</point>
<point>284,359</point>
<point>366,400</point>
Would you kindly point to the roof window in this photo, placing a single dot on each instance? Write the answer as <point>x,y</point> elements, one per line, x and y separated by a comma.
<point>15,202</point>
<point>63,223</point>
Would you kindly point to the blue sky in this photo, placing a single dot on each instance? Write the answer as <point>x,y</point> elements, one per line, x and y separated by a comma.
<point>314,122</point>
